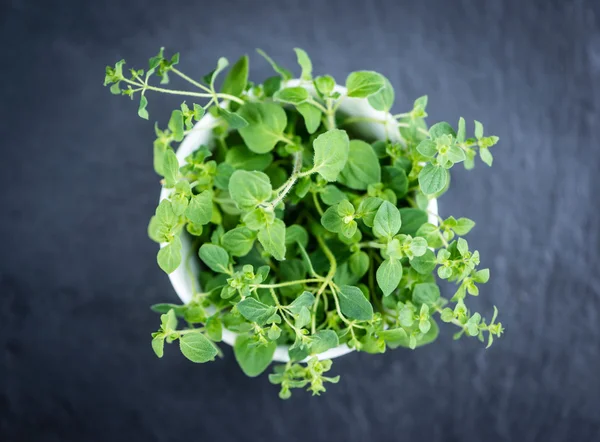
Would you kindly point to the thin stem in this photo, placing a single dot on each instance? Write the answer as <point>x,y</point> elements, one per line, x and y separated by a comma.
<point>186,93</point>
<point>339,310</point>
<point>362,120</point>
<point>371,244</point>
<point>287,283</point>
<point>287,186</point>
<point>317,203</point>
<point>318,105</point>
<point>190,80</point>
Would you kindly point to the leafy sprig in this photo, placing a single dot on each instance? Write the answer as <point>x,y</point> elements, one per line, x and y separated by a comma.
<point>309,236</point>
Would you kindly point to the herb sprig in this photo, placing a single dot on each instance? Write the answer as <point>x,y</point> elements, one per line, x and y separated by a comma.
<point>310,235</point>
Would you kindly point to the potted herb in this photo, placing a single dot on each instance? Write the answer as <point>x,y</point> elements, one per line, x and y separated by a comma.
<point>313,212</point>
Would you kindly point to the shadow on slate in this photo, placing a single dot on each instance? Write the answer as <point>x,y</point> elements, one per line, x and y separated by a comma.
<point>77,273</point>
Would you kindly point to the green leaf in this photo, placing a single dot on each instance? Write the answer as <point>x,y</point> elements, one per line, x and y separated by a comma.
<point>170,168</point>
<point>361,84</point>
<point>197,348</point>
<point>266,123</point>
<point>362,167</point>
<point>359,263</point>
<point>324,340</point>
<point>237,78</point>
<point>249,189</point>
<point>234,121</point>
<point>367,209</point>
<point>426,293</point>
<point>253,359</point>
<point>486,156</point>
<point>291,95</point>
<point>169,256</point>
<point>305,300</point>
<point>271,85</point>
<point>305,64</point>
<point>383,100</point>
<point>331,153</point>
<point>311,115</point>
<point>440,129</point>
<point>432,179</point>
<point>224,172</point>
<point>387,221</point>
<point>176,125</point>
<point>214,328</point>
<point>463,226</point>
<point>296,234</point>
<point>395,178</point>
<point>158,345</point>
<point>325,84</point>
<point>393,336</point>
<point>427,148</point>
<point>285,74</point>
<point>420,339</point>
<point>200,208</point>
<point>331,220</point>
<point>332,195</point>
<point>222,64</point>
<point>240,157</point>
<point>272,238</point>
<point>238,241</point>
<point>258,218</point>
<point>460,134</point>
<point>255,311</point>
<point>425,263</point>
<point>478,129</point>
<point>389,274</point>
<point>353,303</point>
<point>412,220</point>
<point>142,112</point>
<point>215,257</point>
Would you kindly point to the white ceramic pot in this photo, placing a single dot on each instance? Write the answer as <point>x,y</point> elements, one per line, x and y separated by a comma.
<point>181,279</point>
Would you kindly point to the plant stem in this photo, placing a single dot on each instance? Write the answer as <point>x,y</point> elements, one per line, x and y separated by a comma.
<point>287,283</point>
<point>287,186</point>
<point>317,203</point>
<point>371,244</point>
<point>187,93</point>
<point>190,80</point>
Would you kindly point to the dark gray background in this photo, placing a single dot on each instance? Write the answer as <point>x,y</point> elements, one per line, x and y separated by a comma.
<point>77,273</point>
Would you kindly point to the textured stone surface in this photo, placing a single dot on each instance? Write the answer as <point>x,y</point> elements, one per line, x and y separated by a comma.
<point>77,272</point>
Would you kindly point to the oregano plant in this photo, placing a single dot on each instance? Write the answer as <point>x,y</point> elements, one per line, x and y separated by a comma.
<point>309,235</point>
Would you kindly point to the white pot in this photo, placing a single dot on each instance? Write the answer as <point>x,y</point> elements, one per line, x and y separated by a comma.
<point>181,279</point>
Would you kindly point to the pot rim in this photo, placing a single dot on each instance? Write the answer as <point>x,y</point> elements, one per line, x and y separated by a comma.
<point>181,279</point>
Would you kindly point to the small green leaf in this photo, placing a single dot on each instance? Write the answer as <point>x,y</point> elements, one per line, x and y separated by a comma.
<point>331,153</point>
<point>285,74</point>
<point>296,234</point>
<point>367,209</point>
<point>387,221</point>
<point>331,220</point>
<point>325,84</point>
<point>383,100</point>
<point>169,256</point>
<point>324,340</point>
<point>463,226</point>
<point>311,115</point>
<point>305,300</point>
<point>486,156</point>
<point>237,78</point>
<point>170,168</point>
<point>142,112</point>
<point>426,293</point>
<point>266,123</point>
<point>362,167</point>
<point>249,189</point>
<point>359,263</point>
<point>432,179</point>
<point>238,241</point>
<point>478,129</point>
<point>439,129</point>
<point>427,148</point>
<point>197,348</point>
<point>291,95</point>
<point>362,84</point>
<point>176,125</point>
<point>253,359</point>
<point>305,64</point>
<point>389,274</point>
<point>215,257</point>
<point>234,121</point>
<point>412,220</point>
<point>158,345</point>
<point>255,311</point>
<point>332,195</point>
<point>200,208</point>
<point>460,134</point>
<point>353,303</point>
<point>214,328</point>
<point>272,238</point>
<point>240,157</point>
<point>425,263</point>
